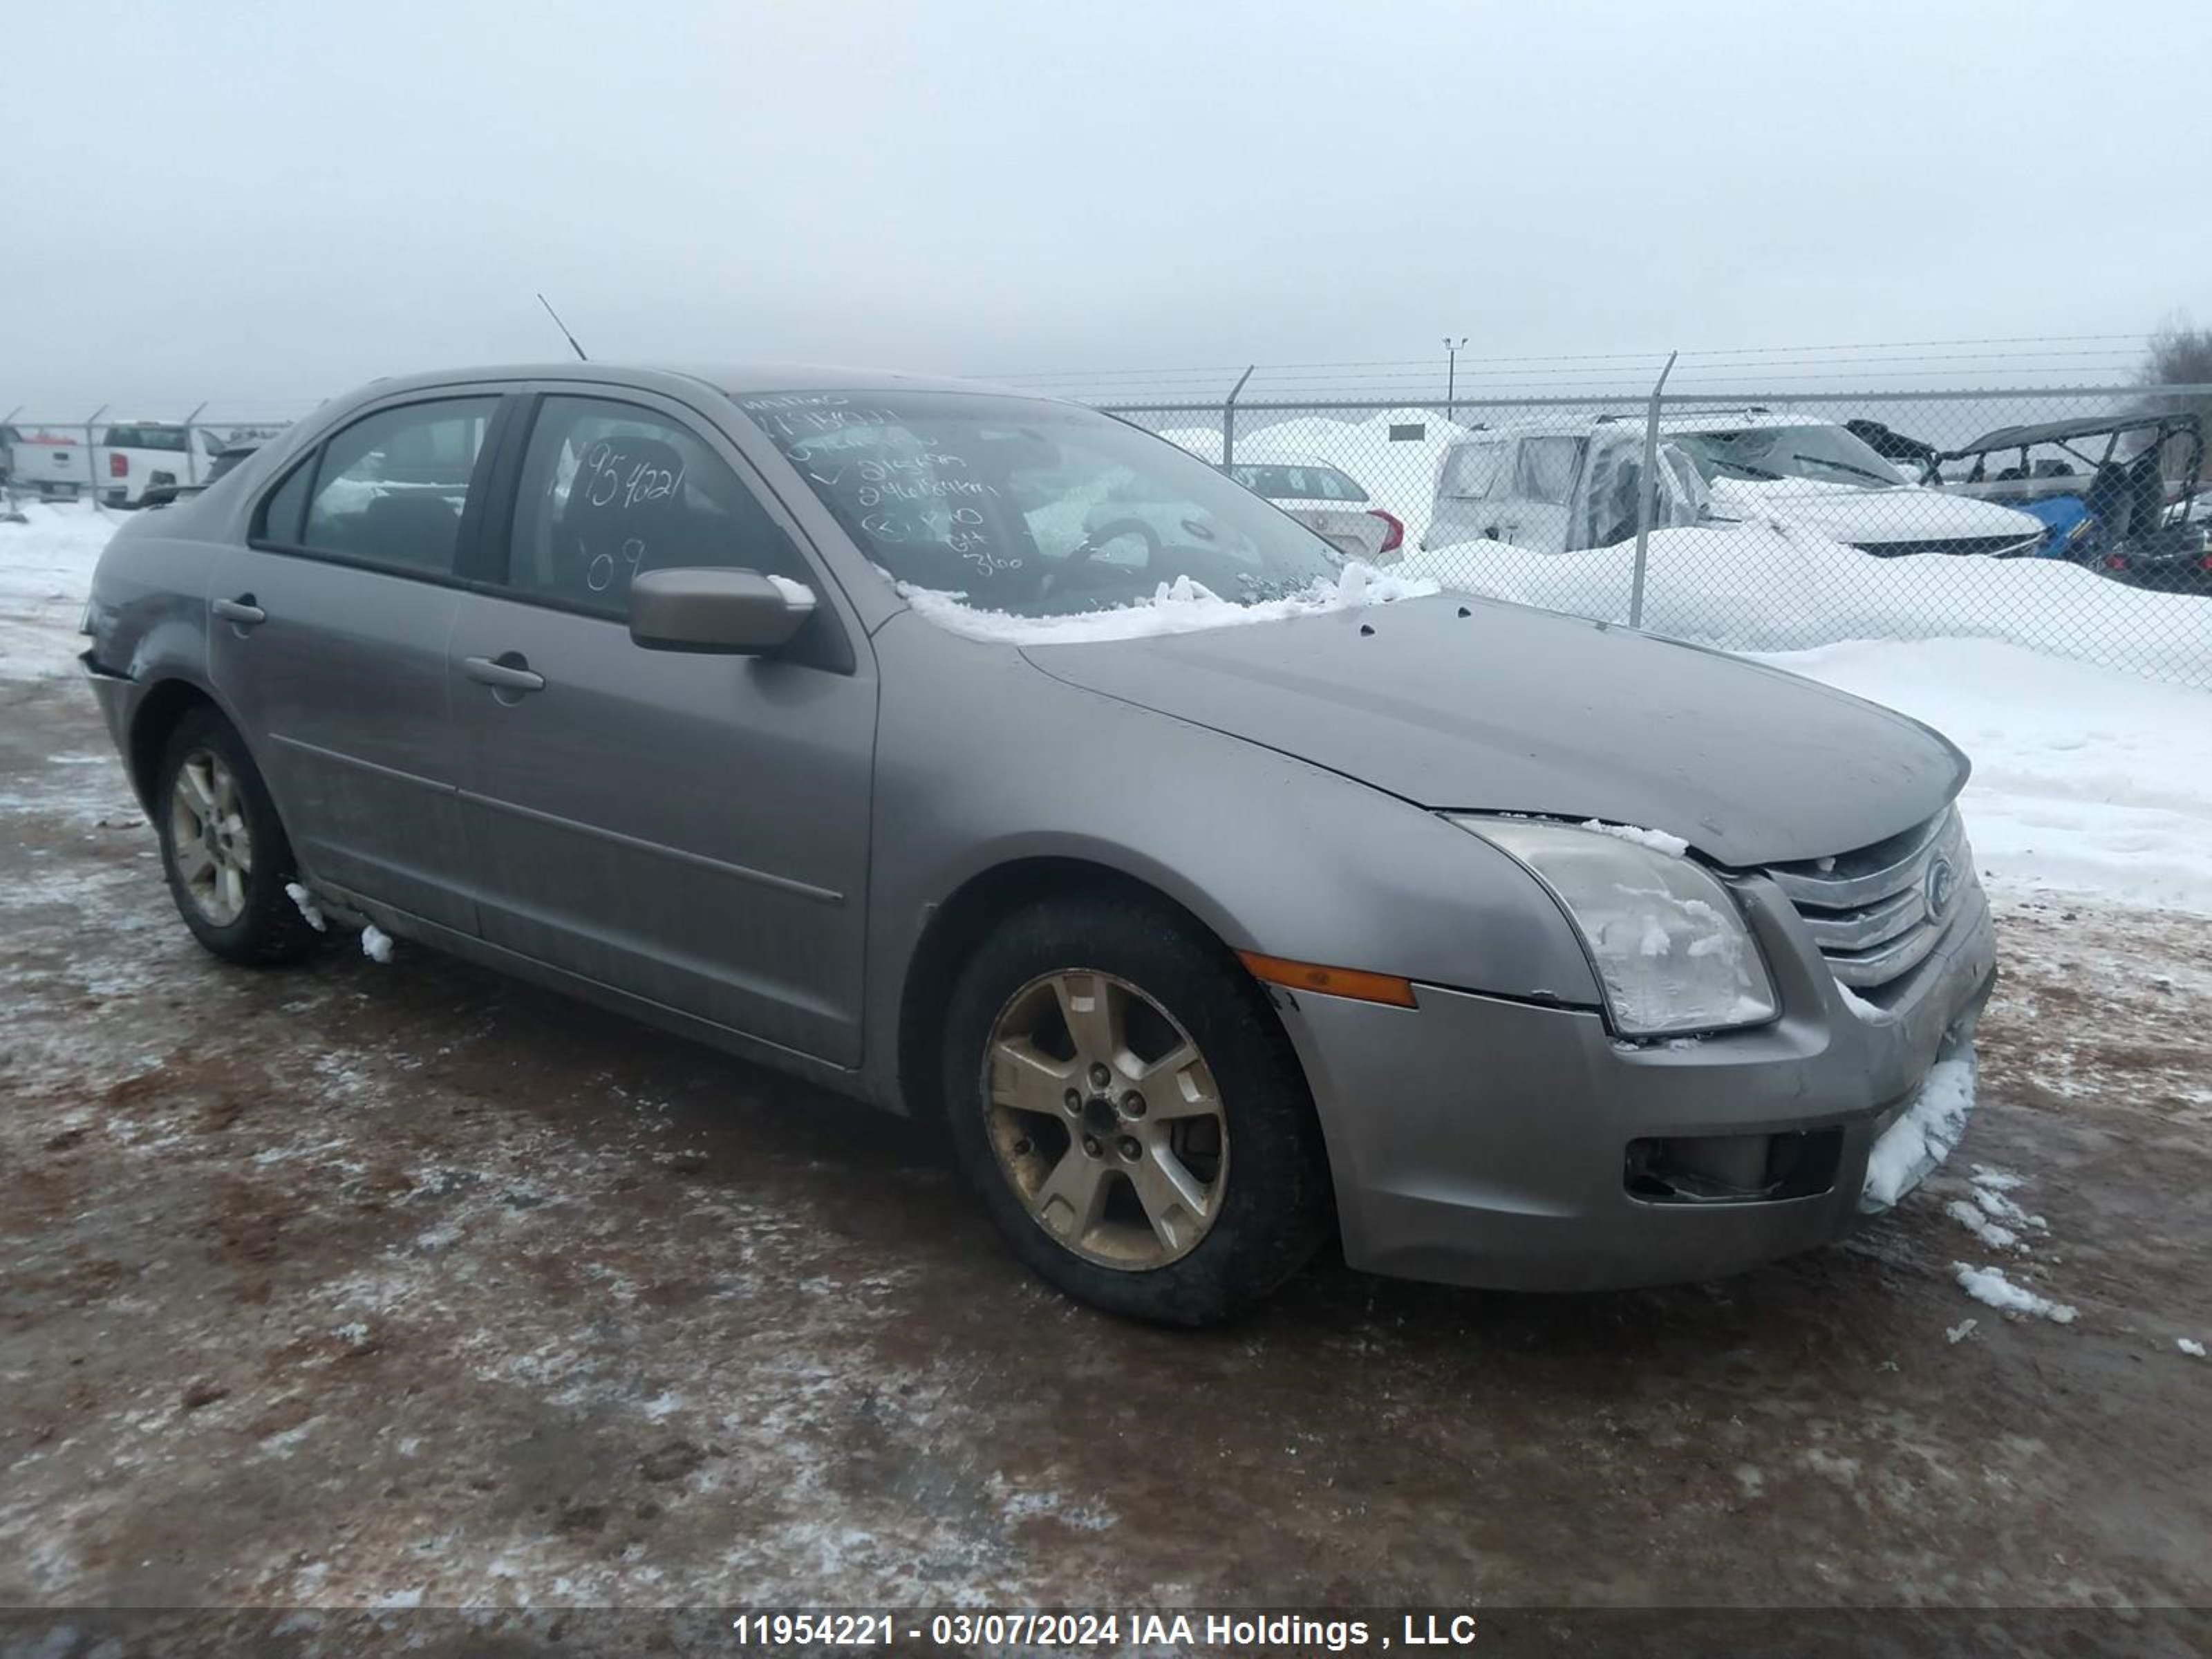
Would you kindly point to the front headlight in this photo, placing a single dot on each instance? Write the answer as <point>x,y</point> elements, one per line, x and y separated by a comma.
<point>1668,943</point>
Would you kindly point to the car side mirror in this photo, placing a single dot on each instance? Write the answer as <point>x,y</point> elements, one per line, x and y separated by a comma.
<point>738,613</point>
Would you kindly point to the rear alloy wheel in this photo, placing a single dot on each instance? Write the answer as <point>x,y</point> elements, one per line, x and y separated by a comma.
<point>222,847</point>
<point>1106,1120</point>
<point>214,843</point>
<point>1125,1101</point>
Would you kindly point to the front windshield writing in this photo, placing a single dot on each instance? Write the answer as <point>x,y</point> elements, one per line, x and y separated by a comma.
<point>1038,508</point>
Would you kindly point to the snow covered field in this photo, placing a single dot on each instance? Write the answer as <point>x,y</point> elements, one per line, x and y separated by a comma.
<point>2086,779</point>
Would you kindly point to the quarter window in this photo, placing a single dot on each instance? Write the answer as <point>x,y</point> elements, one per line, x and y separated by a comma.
<point>609,489</point>
<point>391,488</point>
<point>281,517</point>
<point>1471,470</point>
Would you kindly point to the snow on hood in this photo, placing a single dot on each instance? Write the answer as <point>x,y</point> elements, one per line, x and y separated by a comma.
<point>1868,514</point>
<point>1182,606</point>
<point>1488,708</point>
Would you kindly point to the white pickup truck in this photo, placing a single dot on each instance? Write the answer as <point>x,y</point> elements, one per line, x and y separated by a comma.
<point>129,458</point>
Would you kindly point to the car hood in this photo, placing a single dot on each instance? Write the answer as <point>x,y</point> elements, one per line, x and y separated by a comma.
<point>1872,516</point>
<point>1459,703</point>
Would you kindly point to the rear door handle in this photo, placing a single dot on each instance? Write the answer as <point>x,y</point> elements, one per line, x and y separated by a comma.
<point>241,610</point>
<point>515,676</point>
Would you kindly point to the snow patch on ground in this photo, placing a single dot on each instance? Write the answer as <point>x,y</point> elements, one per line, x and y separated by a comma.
<point>1993,1233</point>
<point>2085,780</point>
<point>1989,1285</point>
<point>45,570</point>
<point>2195,1350</point>
<point>375,944</point>
<point>1182,606</point>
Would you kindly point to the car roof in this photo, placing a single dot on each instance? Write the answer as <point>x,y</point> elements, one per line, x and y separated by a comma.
<point>736,380</point>
<point>2085,426</point>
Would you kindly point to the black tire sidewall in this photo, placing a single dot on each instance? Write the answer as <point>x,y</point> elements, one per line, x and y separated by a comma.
<point>1277,1210</point>
<point>270,928</point>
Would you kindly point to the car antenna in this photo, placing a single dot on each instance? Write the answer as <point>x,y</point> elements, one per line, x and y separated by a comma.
<point>564,327</point>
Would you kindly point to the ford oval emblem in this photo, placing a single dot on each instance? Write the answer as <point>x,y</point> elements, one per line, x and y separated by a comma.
<point>1942,883</point>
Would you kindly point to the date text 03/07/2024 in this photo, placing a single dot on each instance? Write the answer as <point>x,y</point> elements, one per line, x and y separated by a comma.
<point>1256,1630</point>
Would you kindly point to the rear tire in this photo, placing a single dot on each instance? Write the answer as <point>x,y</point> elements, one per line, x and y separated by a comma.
<point>224,849</point>
<point>1188,1179</point>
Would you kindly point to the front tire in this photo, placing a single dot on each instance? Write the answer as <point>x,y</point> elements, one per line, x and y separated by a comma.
<point>1123,1099</point>
<point>223,846</point>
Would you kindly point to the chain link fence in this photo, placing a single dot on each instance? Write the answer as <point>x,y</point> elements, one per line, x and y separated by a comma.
<point>2068,521</point>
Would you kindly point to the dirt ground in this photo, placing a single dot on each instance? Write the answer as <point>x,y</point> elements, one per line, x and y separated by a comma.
<point>353,1284</point>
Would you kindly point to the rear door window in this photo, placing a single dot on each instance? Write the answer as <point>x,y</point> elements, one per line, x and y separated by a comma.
<point>609,488</point>
<point>1545,469</point>
<point>391,488</point>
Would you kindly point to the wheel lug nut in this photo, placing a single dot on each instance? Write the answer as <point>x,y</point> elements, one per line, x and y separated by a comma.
<point>1100,1076</point>
<point>1091,1146</point>
<point>1072,1101</point>
<point>1133,1104</point>
<point>1130,1150</point>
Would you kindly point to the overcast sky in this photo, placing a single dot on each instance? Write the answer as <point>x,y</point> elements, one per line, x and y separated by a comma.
<point>271,202</point>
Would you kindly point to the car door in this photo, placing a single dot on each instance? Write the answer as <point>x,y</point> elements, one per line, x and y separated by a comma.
<point>1529,506</point>
<point>326,641</point>
<point>1471,473</point>
<point>692,829</point>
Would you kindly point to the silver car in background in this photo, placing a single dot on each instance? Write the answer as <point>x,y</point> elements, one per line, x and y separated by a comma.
<point>1219,898</point>
<point>1326,500</point>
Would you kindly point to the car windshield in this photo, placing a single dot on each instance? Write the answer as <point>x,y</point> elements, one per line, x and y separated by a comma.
<point>1762,454</point>
<point>1041,509</point>
<point>1296,481</point>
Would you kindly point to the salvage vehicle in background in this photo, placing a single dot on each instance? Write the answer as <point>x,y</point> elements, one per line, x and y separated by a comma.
<point>2101,484</point>
<point>1325,499</point>
<point>1556,487</point>
<point>1799,470</point>
<point>45,463</point>
<point>162,494</point>
<point>135,456</point>
<point>1219,898</point>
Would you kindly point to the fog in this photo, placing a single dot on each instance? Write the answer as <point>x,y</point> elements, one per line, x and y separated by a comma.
<point>272,201</point>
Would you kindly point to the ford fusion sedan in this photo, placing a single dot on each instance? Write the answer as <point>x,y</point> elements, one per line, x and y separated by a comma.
<point>1220,898</point>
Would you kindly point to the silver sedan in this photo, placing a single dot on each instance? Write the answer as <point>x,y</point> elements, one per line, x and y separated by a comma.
<point>989,760</point>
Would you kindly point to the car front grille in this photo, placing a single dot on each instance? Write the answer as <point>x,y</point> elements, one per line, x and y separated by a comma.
<point>1993,547</point>
<point>1876,914</point>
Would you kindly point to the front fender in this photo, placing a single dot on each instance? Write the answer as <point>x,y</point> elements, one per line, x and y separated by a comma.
<point>1273,853</point>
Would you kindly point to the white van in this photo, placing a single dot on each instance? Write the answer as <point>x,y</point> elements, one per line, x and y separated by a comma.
<point>1556,487</point>
<point>1559,485</point>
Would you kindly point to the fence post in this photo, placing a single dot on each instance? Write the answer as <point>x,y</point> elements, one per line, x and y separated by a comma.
<point>1648,494</point>
<point>92,458</point>
<point>192,449</point>
<point>1229,418</point>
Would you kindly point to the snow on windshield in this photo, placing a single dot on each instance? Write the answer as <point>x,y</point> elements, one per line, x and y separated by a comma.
<point>1182,606</point>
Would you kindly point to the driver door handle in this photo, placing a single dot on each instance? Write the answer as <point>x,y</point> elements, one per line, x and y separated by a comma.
<point>508,677</point>
<point>241,610</point>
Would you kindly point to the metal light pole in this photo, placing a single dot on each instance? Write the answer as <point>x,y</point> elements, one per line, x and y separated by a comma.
<point>1451,370</point>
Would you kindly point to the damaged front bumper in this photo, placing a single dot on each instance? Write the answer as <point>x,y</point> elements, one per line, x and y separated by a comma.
<point>1479,1140</point>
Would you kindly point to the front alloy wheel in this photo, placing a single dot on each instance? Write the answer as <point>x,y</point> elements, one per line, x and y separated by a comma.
<point>1105,1120</point>
<point>1094,1107</point>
